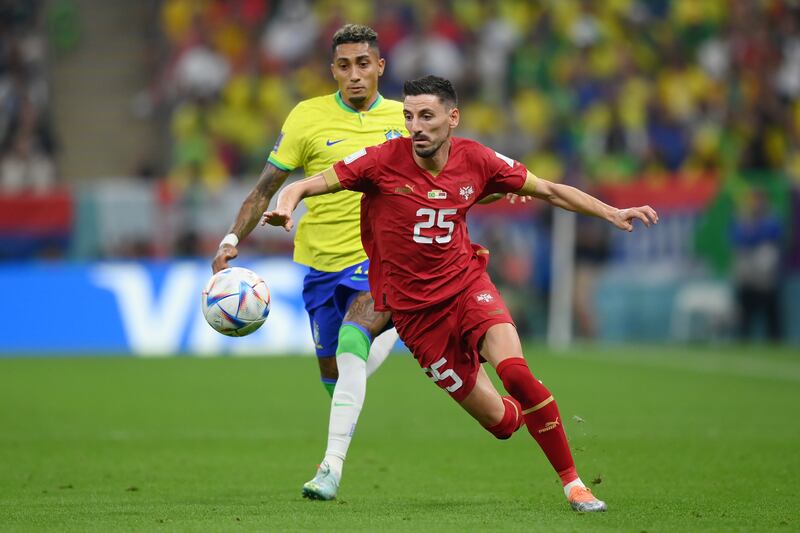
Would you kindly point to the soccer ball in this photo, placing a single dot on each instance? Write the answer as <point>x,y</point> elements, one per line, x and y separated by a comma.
<point>236,301</point>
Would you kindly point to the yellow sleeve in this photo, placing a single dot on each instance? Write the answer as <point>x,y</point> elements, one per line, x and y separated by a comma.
<point>289,150</point>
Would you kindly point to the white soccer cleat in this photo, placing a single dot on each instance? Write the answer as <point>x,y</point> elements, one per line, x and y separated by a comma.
<point>323,486</point>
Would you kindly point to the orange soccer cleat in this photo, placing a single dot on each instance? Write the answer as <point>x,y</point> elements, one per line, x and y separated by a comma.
<point>582,500</point>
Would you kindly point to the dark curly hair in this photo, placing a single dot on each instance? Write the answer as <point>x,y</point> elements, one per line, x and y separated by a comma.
<point>355,33</point>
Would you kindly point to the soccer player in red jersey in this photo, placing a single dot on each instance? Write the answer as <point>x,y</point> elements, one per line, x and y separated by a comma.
<point>425,270</point>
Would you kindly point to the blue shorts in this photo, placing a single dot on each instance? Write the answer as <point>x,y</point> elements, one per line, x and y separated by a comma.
<point>327,295</point>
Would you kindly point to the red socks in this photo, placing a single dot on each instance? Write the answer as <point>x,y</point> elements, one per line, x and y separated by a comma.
<point>541,415</point>
<point>512,419</point>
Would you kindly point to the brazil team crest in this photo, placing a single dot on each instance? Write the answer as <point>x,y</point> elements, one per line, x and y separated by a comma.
<point>392,133</point>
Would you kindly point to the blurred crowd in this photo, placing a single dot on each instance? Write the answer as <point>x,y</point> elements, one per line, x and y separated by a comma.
<point>582,90</point>
<point>594,93</point>
<point>26,137</point>
<point>667,95</point>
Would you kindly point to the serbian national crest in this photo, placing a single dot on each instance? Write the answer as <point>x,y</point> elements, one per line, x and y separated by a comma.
<point>392,133</point>
<point>484,298</point>
<point>466,191</point>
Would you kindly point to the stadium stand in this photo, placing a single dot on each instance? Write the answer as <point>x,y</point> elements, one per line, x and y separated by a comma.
<point>682,104</point>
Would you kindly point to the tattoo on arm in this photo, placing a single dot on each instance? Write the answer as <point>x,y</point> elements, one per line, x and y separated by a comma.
<point>362,312</point>
<point>257,201</point>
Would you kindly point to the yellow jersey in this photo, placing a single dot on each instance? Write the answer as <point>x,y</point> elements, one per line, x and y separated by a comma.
<point>317,133</point>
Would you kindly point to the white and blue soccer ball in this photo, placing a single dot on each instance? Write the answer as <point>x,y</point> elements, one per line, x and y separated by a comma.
<point>236,301</point>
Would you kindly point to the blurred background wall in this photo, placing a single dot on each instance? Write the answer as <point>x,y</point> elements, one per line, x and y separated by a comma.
<point>131,131</point>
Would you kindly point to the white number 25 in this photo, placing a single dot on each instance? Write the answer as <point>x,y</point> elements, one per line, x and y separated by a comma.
<point>438,221</point>
<point>449,373</point>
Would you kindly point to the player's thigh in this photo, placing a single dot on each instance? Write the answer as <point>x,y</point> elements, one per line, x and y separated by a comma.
<point>500,342</point>
<point>484,402</point>
<point>433,338</point>
<point>486,323</point>
<point>361,311</point>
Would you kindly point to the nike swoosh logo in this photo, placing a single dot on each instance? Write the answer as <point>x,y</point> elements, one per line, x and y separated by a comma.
<point>331,143</point>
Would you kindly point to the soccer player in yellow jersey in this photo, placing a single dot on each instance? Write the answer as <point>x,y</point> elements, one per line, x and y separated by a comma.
<point>351,338</point>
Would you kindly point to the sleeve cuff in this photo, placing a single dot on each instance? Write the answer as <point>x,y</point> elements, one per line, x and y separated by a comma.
<point>271,159</point>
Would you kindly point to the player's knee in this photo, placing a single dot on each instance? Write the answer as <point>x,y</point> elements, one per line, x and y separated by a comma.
<point>354,339</point>
<point>514,373</point>
<point>520,382</point>
<point>361,312</point>
<point>511,421</point>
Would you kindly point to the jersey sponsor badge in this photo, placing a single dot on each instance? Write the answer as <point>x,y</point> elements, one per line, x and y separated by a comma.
<point>405,189</point>
<point>278,142</point>
<point>392,133</point>
<point>355,155</point>
<point>466,191</point>
<point>437,194</point>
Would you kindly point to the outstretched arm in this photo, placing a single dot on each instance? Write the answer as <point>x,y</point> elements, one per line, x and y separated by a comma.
<point>573,199</point>
<point>253,206</point>
<point>323,183</point>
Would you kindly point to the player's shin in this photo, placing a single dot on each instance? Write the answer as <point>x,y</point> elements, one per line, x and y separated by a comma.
<point>349,394</point>
<point>541,415</point>
<point>380,349</point>
<point>329,384</point>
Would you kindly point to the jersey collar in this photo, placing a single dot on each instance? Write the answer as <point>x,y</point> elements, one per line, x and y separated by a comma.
<point>349,109</point>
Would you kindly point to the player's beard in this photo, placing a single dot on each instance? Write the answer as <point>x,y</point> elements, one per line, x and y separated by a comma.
<point>357,101</point>
<point>430,152</point>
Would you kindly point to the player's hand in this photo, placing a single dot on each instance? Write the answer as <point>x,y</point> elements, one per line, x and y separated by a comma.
<point>278,217</point>
<point>225,253</point>
<point>623,218</point>
<point>512,198</point>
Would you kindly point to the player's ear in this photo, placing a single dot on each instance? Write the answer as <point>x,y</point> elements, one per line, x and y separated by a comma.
<point>454,117</point>
<point>381,66</point>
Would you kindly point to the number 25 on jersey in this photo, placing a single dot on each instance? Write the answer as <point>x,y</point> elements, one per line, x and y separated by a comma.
<point>434,217</point>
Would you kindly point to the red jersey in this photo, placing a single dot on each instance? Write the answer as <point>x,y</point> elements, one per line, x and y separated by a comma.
<point>413,224</point>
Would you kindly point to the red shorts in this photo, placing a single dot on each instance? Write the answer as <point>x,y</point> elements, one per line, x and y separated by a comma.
<point>444,338</point>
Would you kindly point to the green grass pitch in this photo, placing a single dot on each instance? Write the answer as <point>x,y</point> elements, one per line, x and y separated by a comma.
<point>673,439</point>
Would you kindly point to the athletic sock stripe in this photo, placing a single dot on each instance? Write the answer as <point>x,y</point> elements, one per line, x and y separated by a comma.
<point>538,406</point>
<point>516,416</point>
<point>360,328</point>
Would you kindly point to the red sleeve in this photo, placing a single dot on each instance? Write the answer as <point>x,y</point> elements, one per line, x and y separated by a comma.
<point>356,172</point>
<point>505,174</point>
